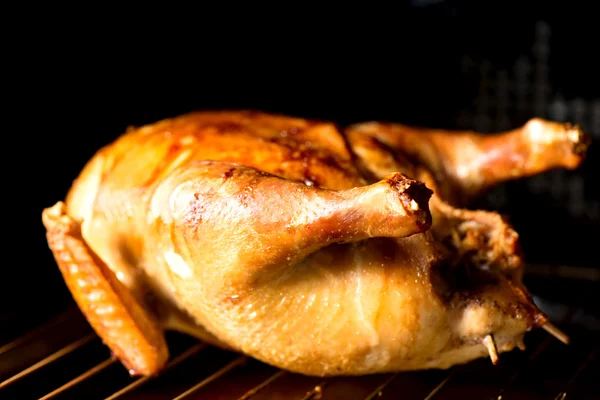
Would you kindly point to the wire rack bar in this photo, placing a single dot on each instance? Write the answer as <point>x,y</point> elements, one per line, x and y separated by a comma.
<point>175,361</point>
<point>87,374</point>
<point>234,364</point>
<point>48,360</point>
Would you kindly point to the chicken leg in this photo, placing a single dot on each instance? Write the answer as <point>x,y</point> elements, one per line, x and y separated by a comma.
<point>465,164</point>
<point>279,222</point>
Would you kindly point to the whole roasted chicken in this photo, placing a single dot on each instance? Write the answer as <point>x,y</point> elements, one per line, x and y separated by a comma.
<point>316,249</point>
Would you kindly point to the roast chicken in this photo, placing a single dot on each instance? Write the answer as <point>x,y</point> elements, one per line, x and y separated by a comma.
<point>318,249</point>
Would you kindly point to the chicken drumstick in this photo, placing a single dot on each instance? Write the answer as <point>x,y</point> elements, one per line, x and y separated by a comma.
<point>467,163</point>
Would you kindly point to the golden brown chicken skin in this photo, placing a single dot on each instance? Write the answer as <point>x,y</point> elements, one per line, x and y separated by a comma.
<point>318,250</point>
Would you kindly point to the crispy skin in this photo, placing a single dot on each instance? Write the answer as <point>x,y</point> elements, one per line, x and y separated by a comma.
<point>131,333</point>
<point>312,249</point>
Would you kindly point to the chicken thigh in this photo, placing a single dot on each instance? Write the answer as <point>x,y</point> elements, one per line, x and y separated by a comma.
<point>319,250</point>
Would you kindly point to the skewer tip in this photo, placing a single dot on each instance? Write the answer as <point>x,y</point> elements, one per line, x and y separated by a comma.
<point>489,343</point>
<point>557,333</point>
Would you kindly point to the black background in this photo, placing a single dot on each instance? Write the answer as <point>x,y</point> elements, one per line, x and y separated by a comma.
<point>77,91</point>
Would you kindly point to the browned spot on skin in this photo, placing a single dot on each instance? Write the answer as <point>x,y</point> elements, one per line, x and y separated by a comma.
<point>226,126</point>
<point>232,299</point>
<point>246,193</point>
<point>410,191</point>
<point>305,152</point>
<point>194,216</point>
<point>173,149</point>
<point>300,154</point>
<point>538,320</point>
<point>291,131</point>
<point>288,143</point>
<point>330,161</point>
<point>229,173</point>
<point>582,142</point>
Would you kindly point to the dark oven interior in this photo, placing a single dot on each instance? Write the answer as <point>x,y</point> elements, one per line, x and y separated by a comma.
<point>448,64</point>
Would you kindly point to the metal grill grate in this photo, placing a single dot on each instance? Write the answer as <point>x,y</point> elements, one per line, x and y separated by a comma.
<point>65,359</point>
